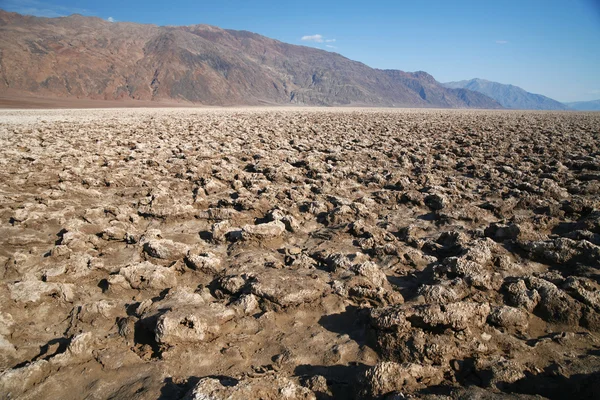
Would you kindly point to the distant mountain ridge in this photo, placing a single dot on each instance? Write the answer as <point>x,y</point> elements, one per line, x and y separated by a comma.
<point>509,96</point>
<point>81,57</point>
<point>593,105</point>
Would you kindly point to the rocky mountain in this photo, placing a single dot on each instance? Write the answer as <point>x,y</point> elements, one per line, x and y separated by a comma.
<point>509,96</point>
<point>90,58</point>
<point>593,105</point>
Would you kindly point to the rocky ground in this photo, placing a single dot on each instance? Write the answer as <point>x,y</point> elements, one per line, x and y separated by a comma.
<point>299,254</point>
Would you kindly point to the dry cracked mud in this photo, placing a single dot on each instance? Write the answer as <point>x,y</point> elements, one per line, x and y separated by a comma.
<point>299,254</point>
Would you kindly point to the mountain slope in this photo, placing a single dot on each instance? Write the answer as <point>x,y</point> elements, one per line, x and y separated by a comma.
<point>508,95</point>
<point>593,105</point>
<point>87,57</point>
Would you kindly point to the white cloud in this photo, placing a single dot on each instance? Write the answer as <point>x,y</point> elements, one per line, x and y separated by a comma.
<point>501,41</point>
<point>319,39</point>
<point>312,38</point>
<point>111,19</point>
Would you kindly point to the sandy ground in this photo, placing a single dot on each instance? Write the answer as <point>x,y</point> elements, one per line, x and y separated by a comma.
<point>299,254</point>
<point>16,101</point>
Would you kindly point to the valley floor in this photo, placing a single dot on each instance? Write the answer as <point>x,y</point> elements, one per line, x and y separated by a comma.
<point>299,253</point>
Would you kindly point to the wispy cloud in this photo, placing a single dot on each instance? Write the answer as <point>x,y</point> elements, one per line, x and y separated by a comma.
<point>317,38</point>
<point>111,19</point>
<point>41,8</point>
<point>313,38</point>
<point>502,41</point>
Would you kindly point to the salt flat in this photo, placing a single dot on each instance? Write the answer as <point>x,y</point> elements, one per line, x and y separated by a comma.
<point>311,253</point>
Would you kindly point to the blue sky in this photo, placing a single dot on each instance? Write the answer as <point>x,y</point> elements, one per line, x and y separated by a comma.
<point>550,47</point>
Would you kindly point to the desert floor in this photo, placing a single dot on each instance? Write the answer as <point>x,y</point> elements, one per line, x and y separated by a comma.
<point>299,254</point>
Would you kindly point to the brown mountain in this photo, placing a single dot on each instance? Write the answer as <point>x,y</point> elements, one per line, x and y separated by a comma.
<point>89,58</point>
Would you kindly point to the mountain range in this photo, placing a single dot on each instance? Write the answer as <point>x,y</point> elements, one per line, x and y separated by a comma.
<point>509,96</point>
<point>79,57</point>
<point>593,105</point>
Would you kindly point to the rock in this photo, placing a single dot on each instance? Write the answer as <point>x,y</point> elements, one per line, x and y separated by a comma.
<point>51,273</point>
<point>92,313</point>
<point>471,272</point>
<point>444,292</point>
<point>555,305</point>
<point>208,263</point>
<point>268,387</point>
<point>146,275</point>
<point>7,351</point>
<point>591,222</point>
<point>372,272</point>
<point>247,304</point>
<point>164,206</point>
<point>508,317</point>
<point>192,324</point>
<point>32,291</point>
<point>80,346</point>
<point>429,334</point>
<point>263,231</point>
<point>115,358</point>
<point>501,232</point>
<point>117,283</point>
<point>232,284</point>
<point>276,214</point>
<point>291,224</point>
<point>436,201</point>
<point>6,323</point>
<point>213,186</point>
<point>365,281</point>
<point>165,249</point>
<point>16,381</point>
<point>386,378</point>
<point>519,295</point>
<point>585,290</point>
<point>114,233</point>
<point>60,251</point>
<point>220,230</point>
<point>473,264</point>
<point>563,251</point>
<point>127,328</point>
<point>79,350</point>
<point>176,298</point>
<point>337,261</point>
<point>499,372</point>
<point>182,316</point>
<point>219,214</point>
<point>480,252</point>
<point>318,384</point>
<point>456,316</point>
<point>288,288</point>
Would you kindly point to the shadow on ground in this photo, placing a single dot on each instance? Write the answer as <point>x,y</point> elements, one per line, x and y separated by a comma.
<point>341,379</point>
<point>552,385</point>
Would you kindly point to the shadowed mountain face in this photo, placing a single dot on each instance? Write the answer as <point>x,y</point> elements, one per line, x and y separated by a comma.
<point>593,105</point>
<point>87,57</point>
<point>509,96</point>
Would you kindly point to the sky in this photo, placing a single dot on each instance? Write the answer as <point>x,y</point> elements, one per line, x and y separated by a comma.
<point>550,47</point>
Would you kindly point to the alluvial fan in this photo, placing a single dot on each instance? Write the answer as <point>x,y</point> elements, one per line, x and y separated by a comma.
<point>299,254</point>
